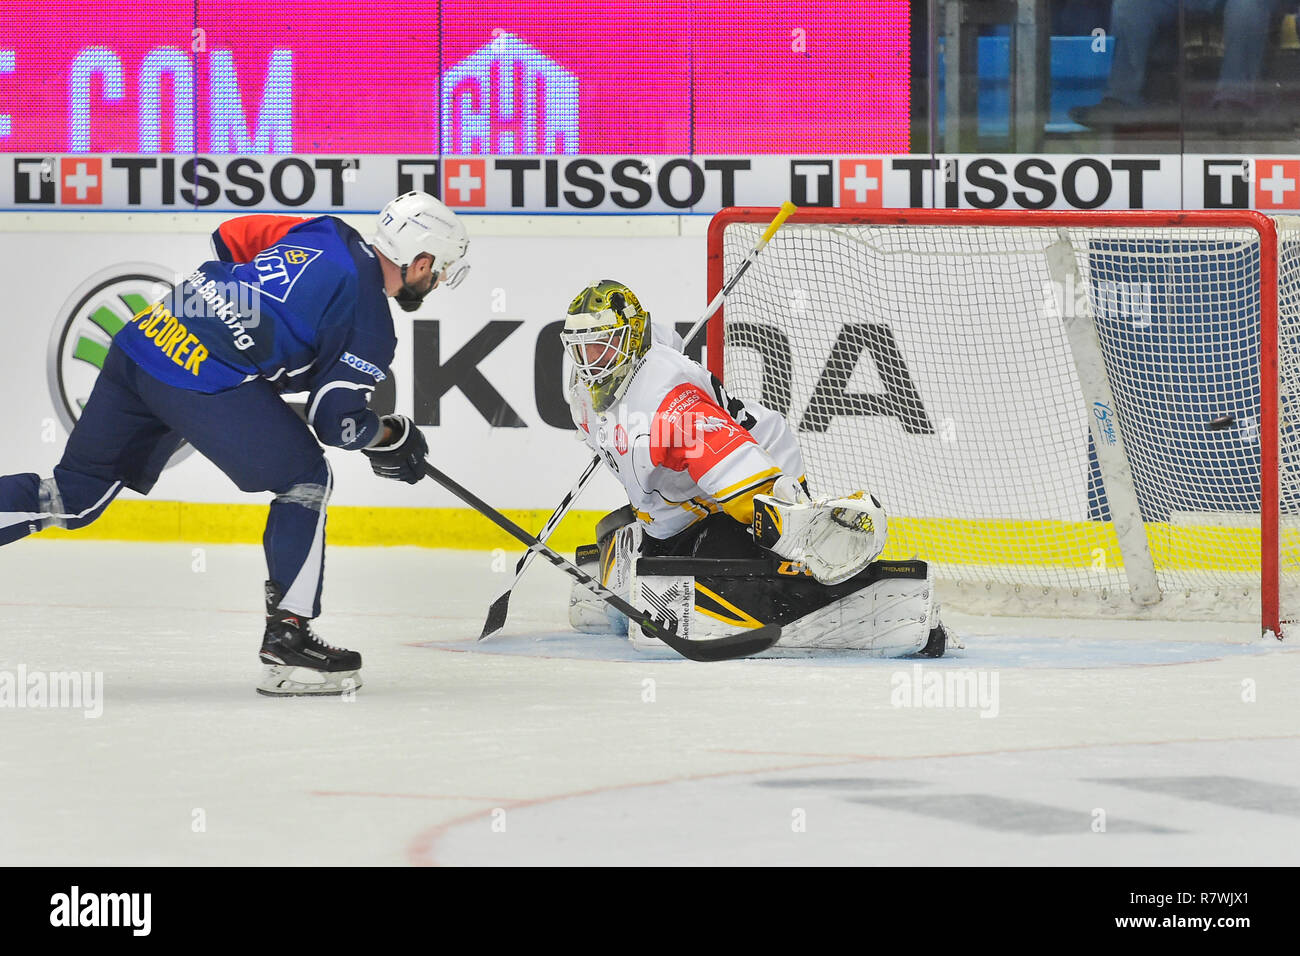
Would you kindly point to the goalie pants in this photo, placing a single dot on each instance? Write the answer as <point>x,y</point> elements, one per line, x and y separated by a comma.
<point>715,536</point>
<point>131,426</point>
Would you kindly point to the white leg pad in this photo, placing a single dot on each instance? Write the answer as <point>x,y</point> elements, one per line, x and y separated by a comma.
<point>890,618</point>
<point>614,569</point>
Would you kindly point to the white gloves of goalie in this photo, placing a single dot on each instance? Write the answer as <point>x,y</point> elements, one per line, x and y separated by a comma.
<point>834,538</point>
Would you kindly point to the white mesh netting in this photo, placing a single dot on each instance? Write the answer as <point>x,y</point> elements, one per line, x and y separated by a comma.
<point>942,367</point>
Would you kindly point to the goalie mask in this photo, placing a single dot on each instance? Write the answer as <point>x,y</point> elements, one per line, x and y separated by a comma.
<point>606,333</point>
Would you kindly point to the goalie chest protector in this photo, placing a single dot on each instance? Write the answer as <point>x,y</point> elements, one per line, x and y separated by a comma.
<point>666,501</point>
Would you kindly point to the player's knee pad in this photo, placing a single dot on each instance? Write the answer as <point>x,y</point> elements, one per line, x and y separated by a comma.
<point>73,501</point>
<point>610,561</point>
<point>887,610</point>
<point>51,503</point>
<point>310,490</point>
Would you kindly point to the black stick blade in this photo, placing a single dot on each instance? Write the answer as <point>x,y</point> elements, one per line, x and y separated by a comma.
<point>496,616</point>
<point>744,644</point>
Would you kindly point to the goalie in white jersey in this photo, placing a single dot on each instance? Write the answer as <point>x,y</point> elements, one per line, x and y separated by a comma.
<point>719,514</point>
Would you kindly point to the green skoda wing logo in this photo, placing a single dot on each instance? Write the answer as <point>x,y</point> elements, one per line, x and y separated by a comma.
<point>86,323</point>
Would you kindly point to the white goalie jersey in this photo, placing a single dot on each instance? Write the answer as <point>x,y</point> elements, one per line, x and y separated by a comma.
<point>682,447</point>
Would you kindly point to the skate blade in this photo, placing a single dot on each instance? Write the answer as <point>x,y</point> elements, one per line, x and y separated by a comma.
<point>281,680</point>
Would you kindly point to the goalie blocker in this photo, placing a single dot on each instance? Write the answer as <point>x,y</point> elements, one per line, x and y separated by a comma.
<point>887,609</point>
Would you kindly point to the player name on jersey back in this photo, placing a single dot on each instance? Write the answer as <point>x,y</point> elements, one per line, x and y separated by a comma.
<point>200,335</point>
<point>172,337</point>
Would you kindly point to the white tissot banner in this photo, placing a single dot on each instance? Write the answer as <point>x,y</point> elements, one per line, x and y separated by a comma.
<point>655,185</point>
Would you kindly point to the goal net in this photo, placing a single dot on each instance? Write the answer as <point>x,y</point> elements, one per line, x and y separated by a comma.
<point>1068,413</point>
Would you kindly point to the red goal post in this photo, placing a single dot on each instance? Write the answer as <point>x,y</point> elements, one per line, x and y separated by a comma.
<point>1177,333</point>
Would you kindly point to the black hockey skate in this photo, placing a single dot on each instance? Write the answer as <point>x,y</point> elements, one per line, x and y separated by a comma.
<point>298,663</point>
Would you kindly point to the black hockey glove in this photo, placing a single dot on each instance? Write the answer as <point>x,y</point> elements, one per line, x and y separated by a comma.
<point>402,456</point>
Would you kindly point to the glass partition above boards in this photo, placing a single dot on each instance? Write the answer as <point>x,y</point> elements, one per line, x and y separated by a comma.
<point>1106,76</point>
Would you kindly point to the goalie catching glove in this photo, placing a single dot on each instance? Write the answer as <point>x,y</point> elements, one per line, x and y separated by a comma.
<point>834,538</point>
<point>401,457</point>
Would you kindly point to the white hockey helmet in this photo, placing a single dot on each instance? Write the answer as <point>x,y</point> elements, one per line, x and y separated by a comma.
<point>415,223</point>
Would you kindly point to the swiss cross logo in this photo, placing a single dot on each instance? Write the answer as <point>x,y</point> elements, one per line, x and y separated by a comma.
<point>81,181</point>
<point>860,183</point>
<point>509,97</point>
<point>1277,184</point>
<point>464,182</point>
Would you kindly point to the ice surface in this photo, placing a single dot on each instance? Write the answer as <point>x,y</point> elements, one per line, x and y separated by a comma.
<point>544,746</point>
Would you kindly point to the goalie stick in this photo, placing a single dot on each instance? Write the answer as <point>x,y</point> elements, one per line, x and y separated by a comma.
<point>496,616</point>
<point>787,210</point>
<point>742,644</point>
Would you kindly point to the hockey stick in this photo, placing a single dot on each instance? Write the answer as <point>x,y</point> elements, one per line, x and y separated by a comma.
<point>496,616</point>
<point>742,644</point>
<point>787,210</point>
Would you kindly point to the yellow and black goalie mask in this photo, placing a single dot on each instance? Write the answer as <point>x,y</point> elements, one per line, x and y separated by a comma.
<point>605,333</point>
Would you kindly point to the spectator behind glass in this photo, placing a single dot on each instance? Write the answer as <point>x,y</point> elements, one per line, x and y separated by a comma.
<point>1080,17</point>
<point>1136,24</point>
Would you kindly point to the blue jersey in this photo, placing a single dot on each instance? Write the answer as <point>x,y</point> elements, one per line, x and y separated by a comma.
<point>298,302</point>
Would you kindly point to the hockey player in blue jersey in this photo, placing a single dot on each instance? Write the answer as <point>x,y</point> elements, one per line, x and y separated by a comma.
<point>289,305</point>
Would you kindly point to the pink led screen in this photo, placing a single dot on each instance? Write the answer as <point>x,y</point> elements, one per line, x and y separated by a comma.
<point>456,77</point>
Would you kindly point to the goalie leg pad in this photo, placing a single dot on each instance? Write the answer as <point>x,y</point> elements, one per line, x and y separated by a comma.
<point>888,610</point>
<point>891,618</point>
<point>610,561</point>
